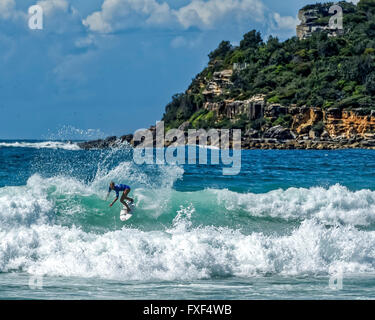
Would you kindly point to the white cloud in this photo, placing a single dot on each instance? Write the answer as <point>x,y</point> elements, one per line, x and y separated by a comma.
<point>285,23</point>
<point>8,11</point>
<point>52,6</point>
<point>116,15</point>
<point>207,14</point>
<point>7,8</point>
<point>96,23</point>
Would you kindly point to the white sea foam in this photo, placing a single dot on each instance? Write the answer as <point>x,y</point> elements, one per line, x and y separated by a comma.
<point>185,253</point>
<point>29,204</point>
<point>337,204</point>
<point>41,145</point>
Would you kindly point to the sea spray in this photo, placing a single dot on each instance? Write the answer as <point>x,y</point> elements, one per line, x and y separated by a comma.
<point>197,253</point>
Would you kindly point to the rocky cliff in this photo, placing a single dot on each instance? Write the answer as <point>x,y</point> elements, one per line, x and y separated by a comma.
<point>279,126</point>
<point>310,128</point>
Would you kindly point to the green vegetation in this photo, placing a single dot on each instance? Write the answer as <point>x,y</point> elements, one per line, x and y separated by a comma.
<point>284,120</point>
<point>202,119</point>
<point>319,127</point>
<point>320,71</point>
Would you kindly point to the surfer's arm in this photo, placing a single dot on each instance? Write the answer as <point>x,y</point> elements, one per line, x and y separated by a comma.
<point>113,202</point>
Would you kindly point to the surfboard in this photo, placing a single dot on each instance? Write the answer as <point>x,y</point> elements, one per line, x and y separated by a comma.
<point>125,214</point>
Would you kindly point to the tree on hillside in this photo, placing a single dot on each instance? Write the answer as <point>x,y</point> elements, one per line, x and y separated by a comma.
<point>251,39</point>
<point>221,51</point>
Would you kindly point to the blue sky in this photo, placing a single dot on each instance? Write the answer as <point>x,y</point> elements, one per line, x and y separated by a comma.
<point>113,65</point>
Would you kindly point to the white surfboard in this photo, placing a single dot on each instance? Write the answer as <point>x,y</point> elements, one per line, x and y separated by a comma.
<point>125,214</point>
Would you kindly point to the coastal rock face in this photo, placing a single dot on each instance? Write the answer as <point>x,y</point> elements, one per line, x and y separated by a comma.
<point>349,124</point>
<point>252,133</point>
<point>279,133</point>
<point>307,122</point>
<point>311,128</point>
<point>275,110</point>
<point>98,144</point>
<point>219,82</point>
<point>306,119</point>
<point>253,108</point>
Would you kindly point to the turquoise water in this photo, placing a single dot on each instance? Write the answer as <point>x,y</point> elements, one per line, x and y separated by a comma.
<point>281,229</point>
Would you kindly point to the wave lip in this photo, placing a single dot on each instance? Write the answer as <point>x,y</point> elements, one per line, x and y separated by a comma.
<point>41,145</point>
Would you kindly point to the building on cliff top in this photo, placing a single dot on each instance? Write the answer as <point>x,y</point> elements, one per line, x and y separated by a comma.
<point>310,24</point>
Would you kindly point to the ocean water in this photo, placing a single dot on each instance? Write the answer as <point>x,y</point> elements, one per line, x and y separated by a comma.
<point>288,225</point>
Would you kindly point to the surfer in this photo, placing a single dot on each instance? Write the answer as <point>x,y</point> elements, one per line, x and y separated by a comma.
<point>117,188</point>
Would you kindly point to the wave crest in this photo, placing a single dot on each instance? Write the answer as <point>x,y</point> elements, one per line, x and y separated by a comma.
<point>195,253</point>
<point>41,145</point>
<point>337,204</point>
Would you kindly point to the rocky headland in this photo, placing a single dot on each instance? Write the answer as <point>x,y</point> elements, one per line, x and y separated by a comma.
<point>313,91</point>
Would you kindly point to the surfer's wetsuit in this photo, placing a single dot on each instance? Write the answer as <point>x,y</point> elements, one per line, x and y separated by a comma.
<point>118,188</point>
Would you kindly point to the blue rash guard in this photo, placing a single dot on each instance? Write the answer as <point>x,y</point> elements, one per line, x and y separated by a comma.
<point>118,188</point>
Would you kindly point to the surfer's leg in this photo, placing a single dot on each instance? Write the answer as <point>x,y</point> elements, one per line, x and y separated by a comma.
<point>122,200</point>
<point>126,192</point>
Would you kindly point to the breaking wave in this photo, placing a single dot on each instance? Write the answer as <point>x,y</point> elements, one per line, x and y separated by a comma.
<point>41,145</point>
